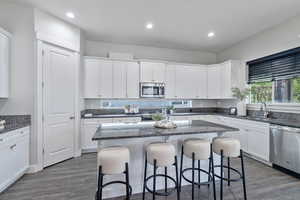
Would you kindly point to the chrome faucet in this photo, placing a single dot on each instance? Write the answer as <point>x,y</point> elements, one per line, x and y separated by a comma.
<point>264,108</point>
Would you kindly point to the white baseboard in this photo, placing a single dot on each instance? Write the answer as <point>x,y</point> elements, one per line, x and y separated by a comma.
<point>77,153</point>
<point>34,168</point>
<point>9,182</point>
<point>90,150</point>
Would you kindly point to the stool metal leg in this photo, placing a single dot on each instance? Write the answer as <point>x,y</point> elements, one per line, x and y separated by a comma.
<point>100,183</point>
<point>181,163</point>
<point>209,169</point>
<point>166,180</point>
<point>228,171</point>
<point>154,180</point>
<point>243,173</point>
<point>213,172</point>
<point>145,176</point>
<point>221,187</point>
<point>177,179</point>
<point>199,173</point>
<point>193,175</point>
<point>127,181</point>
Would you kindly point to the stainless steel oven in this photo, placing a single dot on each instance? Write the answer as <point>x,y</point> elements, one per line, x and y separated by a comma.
<point>152,90</point>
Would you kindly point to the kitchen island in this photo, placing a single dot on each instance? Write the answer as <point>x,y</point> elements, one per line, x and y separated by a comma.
<point>136,136</point>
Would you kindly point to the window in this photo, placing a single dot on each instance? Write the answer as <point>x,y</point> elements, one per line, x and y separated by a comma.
<point>278,91</point>
<point>145,103</point>
<point>276,78</point>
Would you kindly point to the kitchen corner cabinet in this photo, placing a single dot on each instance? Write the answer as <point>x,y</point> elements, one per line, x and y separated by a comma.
<point>98,78</point>
<point>152,72</point>
<point>14,156</point>
<point>4,63</point>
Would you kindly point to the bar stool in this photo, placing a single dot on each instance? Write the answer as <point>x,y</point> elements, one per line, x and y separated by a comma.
<point>160,155</point>
<point>230,148</point>
<point>198,149</point>
<point>113,160</point>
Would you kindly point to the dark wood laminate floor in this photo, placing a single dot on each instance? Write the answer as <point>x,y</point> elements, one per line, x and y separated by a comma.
<point>75,179</point>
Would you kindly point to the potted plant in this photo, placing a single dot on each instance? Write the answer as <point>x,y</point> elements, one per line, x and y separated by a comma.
<point>241,95</point>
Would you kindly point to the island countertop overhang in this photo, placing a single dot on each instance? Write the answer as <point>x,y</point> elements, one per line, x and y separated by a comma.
<point>147,130</point>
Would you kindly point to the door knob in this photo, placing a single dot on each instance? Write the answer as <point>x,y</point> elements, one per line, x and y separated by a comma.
<point>72,117</point>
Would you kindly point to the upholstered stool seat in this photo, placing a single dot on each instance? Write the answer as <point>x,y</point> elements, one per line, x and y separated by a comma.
<point>200,147</point>
<point>230,146</point>
<point>113,159</point>
<point>163,153</point>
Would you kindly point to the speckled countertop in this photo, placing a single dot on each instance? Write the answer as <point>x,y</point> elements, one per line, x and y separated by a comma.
<point>146,129</point>
<point>14,122</point>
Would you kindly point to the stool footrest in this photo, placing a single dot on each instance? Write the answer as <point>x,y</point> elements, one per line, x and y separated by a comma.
<point>199,170</point>
<point>161,193</point>
<point>231,169</point>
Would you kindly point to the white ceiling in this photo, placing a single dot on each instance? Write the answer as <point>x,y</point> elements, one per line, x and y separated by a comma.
<point>182,24</point>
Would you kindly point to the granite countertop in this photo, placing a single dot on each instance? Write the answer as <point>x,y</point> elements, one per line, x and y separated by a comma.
<point>14,122</point>
<point>274,121</point>
<point>146,129</point>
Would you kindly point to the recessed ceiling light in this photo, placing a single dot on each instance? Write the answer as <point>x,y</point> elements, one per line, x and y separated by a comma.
<point>70,15</point>
<point>211,34</point>
<point>149,25</point>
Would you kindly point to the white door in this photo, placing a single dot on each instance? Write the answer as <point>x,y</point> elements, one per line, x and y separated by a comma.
<point>119,79</point>
<point>133,80</point>
<point>106,79</point>
<point>58,94</point>
<point>214,82</point>
<point>92,72</point>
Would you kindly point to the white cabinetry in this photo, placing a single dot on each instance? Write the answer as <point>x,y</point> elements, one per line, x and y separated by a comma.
<point>186,82</point>
<point>125,79</point>
<point>214,82</point>
<point>98,78</point>
<point>90,126</point>
<point>4,63</point>
<point>152,72</point>
<point>14,156</point>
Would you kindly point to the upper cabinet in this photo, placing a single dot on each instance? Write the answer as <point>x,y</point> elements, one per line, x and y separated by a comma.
<point>125,79</point>
<point>4,63</point>
<point>214,81</point>
<point>152,72</point>
<point>105,78</point>
<point>98,80</point>
<point>186,82</point>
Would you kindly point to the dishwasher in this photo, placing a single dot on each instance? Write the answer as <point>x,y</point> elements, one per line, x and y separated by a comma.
<point>285,147</point>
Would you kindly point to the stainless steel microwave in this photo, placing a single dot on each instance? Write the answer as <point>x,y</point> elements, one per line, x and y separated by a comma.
<point>152,90</point>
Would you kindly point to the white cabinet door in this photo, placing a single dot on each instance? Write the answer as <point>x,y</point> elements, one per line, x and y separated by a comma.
<point>226,80</point>
<point>214,82</point>
<point>171,81</point>
<point>146,72</point>
<point>159,72</point>
<point>92,70</point>
<point>4,65</point>
<point>133,80</point>
<point>152,72</point>
<point>106,79</point>
<point>22,153</point>
<point>201,82</point>
<point>258,144</point>
<point>7,157</point>
<point>186,82</point>
<point>119,79</point>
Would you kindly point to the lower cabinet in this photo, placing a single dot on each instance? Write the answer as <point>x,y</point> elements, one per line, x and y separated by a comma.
<point>14,156</point>
<point>90,126</point>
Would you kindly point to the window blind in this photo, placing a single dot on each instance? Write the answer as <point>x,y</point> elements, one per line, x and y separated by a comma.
<point>282,65</point>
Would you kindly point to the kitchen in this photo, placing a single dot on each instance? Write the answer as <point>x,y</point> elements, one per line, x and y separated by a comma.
<point>73,87</point>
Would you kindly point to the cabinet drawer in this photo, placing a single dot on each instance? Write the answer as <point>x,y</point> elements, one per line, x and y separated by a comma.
<point>13,134</point>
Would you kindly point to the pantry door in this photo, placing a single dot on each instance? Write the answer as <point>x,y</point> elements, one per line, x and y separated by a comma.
<point>59,67</point>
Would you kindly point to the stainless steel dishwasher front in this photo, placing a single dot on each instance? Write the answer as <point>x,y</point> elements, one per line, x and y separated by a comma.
<point>285,147</point>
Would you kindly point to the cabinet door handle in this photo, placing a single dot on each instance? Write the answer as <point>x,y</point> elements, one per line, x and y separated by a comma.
<point>71,118</point>
<point>13,146</point>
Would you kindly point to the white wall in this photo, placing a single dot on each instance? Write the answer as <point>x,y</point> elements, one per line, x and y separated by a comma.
<point>18,20</point>
<point>101,49</point>
<point>279,38</point>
